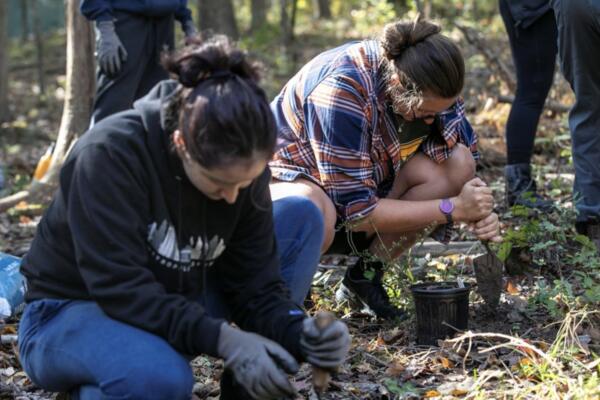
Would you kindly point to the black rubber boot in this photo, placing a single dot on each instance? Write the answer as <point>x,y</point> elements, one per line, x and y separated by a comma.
<point>368,295</point>
<point>521,189</point>
<point>591,229</point>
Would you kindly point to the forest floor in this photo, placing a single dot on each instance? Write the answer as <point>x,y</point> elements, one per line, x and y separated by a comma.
<point>543,340</point>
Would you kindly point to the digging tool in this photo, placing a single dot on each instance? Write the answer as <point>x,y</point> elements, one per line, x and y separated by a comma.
<point>321,377</point>
<point>488,274</point>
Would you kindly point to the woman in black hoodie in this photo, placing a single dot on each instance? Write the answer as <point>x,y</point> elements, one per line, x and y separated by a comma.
<point>161,232</point>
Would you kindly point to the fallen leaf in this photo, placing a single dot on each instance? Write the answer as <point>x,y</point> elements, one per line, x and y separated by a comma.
<point>525,362</point>
<point>9,330</point>
<point>446,363</point>
<point>393,336</point>
<point>364,368</point>
<point>431,393</point>
<point>492,360</point>
<point>395,369</point>
<point>459,392</point>
<point>512,288</point>
<point>22,205</point>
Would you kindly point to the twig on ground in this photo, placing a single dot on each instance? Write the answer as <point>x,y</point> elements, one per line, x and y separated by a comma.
<point>513,342</point>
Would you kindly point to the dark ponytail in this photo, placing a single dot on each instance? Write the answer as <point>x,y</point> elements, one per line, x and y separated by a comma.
<point>221,111</point>
<point>424,60</point>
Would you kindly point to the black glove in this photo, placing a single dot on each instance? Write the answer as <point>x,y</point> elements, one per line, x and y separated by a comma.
<point>326,349</point>
<point>110,51</point>
<point>257,363</point>
<point>189,28</point>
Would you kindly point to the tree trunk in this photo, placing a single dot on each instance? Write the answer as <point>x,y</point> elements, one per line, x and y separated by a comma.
<point>323,9</point>
<point>284,23</point>
<point>80,88</point>
<point>288,10</point>
<point>218,16</point>
<point>475,9</point>
<point>259,14</point>
<point>401,7</point>
<point>24,8</point>
<point>427,7</point>
<point>39,45</point>
<point>3,61</point>
<point>424,8</point>
<point>77,108</point>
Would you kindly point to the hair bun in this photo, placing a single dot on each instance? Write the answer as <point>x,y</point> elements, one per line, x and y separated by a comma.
<point>211,58</point>
<point>399,36</point>
<point>189,72</point>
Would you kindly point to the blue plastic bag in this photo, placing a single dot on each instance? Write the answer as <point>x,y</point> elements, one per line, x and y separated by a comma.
<point>12,286</point>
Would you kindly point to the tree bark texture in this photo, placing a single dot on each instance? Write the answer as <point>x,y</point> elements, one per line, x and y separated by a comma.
<point>323,8</point>
<point>287,21</point>
<point>218,16</point>
<point>259,14</point>
<point>24,11</point>
<point>3,61</point>
<point>39,44</point>
<point>80,87</point>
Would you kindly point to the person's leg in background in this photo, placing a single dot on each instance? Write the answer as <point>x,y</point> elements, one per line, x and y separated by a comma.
<point>162,38</point>
<point>72,346</point>
<point>534,54</point>
<point>578,24</point>
<point>114,94</point>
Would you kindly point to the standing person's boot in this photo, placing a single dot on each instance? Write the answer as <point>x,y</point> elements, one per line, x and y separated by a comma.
<point>521,189</point>
<point>367,294</point>
<point>591,229</point>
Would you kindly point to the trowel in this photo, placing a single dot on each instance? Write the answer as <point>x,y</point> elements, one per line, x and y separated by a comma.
<point>488,274</point>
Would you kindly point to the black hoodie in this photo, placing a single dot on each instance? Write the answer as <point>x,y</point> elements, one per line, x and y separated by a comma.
<point>110,235</point>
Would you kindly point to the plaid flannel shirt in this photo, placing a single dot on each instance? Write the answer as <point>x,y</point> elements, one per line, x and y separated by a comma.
<point>336,129</point>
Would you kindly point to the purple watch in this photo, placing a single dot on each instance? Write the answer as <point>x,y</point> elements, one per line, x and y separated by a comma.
<point>446,207</point>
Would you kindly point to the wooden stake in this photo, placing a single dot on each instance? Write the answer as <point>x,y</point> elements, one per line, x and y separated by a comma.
<point>321,377</point>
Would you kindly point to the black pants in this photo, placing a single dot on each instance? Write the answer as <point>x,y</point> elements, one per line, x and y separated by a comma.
<point>144,38</point>
<point>534,52</point>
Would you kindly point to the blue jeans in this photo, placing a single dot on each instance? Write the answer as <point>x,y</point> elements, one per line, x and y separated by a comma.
<point>578,23</point>
<point>73,346</point>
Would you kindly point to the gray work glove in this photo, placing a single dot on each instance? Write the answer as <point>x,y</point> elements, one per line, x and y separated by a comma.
<point>110,51</point>
<point>189,29</point>
<point>326,349</point>
<point>258,364</point>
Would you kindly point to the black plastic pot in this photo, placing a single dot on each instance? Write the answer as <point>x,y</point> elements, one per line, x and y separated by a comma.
<point>438,304</point>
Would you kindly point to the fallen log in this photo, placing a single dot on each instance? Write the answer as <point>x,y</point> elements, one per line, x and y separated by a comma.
<point>476,39</point>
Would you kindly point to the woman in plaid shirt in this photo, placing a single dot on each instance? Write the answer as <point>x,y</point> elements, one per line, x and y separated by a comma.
<point>375,134</point>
